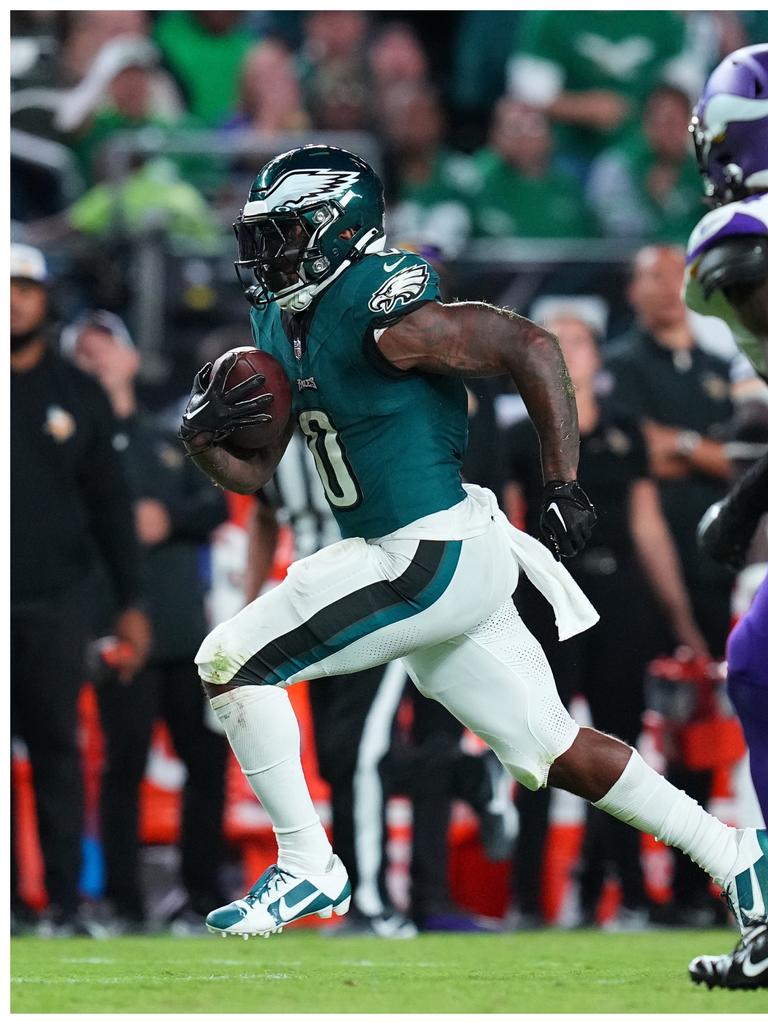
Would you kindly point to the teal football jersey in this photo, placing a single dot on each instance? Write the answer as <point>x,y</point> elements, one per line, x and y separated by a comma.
<point>388,445</point>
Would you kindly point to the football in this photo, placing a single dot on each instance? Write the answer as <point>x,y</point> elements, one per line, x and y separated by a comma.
<point>250,362</point>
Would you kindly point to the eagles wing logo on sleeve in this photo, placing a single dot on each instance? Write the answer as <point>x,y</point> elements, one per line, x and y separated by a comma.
<point>400,289</point>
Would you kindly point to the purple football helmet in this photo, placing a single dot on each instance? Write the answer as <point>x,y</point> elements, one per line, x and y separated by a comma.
<point>730,126</point>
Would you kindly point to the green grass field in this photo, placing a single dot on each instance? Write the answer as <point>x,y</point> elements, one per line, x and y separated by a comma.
<point>304,972</point>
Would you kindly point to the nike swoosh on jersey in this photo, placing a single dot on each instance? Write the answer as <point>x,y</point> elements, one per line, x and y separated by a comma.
<point>752,969</point>
<point>558,513</point>
<point>397,263</point>
<point>287,912</point>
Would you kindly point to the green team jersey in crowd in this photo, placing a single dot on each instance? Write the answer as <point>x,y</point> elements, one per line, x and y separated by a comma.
<point>388,445</point>
<point>510,204</point>
<point>625,51</point>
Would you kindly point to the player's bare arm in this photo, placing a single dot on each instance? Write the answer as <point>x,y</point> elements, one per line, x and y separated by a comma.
<point>473,339</point>
<point>215,411</point>
<point>242,474</point>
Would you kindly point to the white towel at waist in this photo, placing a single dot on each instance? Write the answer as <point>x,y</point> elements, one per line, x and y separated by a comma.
<point>469,518</point>
<point>574,612</point>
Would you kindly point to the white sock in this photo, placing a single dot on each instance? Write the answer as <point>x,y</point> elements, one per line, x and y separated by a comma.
<point>263,732</point>
<point>643,798</point>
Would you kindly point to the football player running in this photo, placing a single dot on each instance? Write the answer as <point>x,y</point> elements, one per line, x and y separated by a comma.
<point>727,277</point>
<point>427,569</point>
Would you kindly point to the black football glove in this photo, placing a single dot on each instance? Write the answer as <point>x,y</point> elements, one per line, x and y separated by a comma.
<point>566,519</point>
<point>210,416</point>
<point>726,529</point>
<point>723,536</point>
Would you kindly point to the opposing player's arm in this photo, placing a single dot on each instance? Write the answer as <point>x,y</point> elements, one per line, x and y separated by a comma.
<point>750,300</point>
<point>473,339</point>
<point>739,267</point>
<point>244,475</point>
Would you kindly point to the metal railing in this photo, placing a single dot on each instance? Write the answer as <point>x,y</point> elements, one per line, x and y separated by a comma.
<point>50,156</point>
<point>119,152</point>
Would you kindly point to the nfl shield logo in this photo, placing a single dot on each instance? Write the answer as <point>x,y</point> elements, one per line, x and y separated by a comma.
<point>297,347</point>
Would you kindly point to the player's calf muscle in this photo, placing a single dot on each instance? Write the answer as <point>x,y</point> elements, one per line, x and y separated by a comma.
<point>591,765</point>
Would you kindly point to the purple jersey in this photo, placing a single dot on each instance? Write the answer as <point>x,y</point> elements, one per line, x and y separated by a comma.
<point>748,687</point>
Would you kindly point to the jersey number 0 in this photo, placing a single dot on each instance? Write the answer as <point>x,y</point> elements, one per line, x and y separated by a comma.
<point>341,488</point>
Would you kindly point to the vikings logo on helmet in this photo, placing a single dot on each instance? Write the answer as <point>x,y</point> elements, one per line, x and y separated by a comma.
<point>730,126</point>
<point>400,289</point>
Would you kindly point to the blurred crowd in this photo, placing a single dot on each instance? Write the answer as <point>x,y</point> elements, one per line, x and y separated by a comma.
<point>490,126</point>
<point>478,116</point>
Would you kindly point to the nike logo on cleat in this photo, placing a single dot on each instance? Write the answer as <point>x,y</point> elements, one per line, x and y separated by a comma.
<point>750,969</point>
<point>287,911</point>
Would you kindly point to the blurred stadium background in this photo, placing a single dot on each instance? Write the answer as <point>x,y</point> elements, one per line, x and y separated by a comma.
<point>134,137</point>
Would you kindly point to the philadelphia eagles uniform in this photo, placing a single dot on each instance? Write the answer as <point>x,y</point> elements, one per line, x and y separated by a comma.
<point>746,218</point>
<point>357,412</point>
<point>426,569</point>
<point>424,559</point>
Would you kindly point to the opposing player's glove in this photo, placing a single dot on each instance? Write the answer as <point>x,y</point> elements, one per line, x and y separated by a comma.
<point>566,519</point>
<point>211,415</point>
<point>726,529</point>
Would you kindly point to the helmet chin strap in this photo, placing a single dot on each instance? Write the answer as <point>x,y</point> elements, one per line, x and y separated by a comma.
<point>300,299</point>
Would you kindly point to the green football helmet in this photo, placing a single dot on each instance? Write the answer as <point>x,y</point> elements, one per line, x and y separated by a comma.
<point>289,233</point>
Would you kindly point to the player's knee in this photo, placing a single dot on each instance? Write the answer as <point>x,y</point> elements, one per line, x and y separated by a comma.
<point>222,662</point>
<point>215,659</point>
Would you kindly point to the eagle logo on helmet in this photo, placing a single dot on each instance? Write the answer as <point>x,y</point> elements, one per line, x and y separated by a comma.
<point>403,287</point>
<point>297,188</point>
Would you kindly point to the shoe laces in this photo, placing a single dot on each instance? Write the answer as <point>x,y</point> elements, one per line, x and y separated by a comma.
<point>271,878</point>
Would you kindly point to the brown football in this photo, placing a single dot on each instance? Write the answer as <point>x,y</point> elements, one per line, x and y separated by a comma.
<point>251,361</point>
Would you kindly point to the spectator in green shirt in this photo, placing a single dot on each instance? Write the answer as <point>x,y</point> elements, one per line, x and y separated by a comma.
<point>431,184</point>
<point>521,193</point>
<point>205,50</point>
<point>129,106</point>
<point>591,70</point>
<point>648,188</point>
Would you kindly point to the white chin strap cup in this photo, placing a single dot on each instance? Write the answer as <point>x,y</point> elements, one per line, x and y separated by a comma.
<point>298,300</point>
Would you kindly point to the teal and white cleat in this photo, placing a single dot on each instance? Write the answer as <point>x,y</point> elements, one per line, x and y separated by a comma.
<point>746,887</point>
<point>279,898</point>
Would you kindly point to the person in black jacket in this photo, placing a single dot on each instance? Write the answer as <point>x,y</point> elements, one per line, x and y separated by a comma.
<point>176,508</point>
<point>69,502</point>
<point>631,559</point>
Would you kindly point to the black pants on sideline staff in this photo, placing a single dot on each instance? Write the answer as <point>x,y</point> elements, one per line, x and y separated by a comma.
<point>47,647</point>
<point>353,718</point>
<point>607,665</point>
<point>432,768</point>
<point>169,690</point>
<point>364,759</point>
